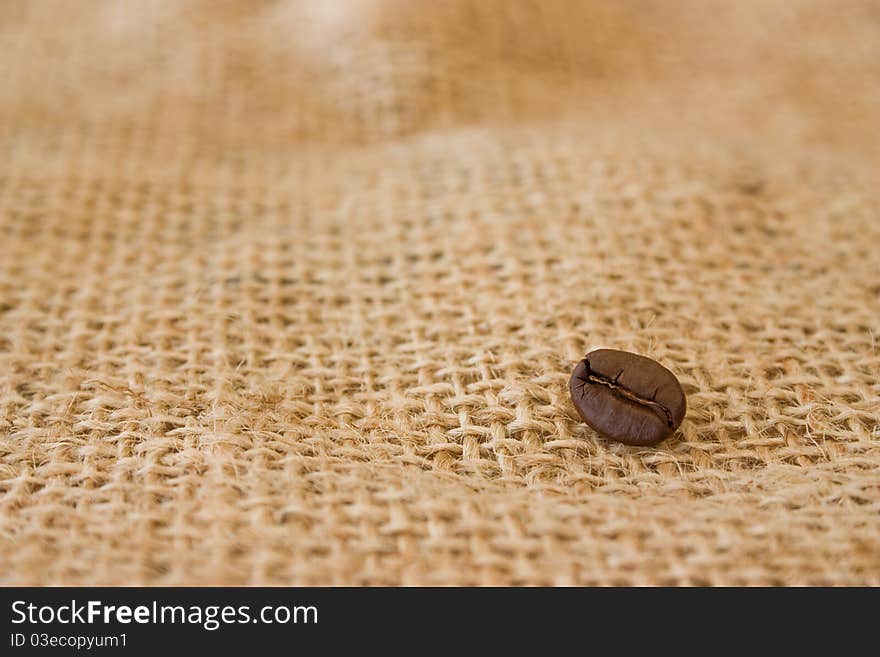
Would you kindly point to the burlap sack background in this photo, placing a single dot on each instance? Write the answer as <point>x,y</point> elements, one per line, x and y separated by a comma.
<point>290,293</point>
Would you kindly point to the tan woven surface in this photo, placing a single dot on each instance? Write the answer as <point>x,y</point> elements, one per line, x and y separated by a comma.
<point>290,294</point>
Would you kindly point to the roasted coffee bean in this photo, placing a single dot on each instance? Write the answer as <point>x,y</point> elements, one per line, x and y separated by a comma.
<point>627,397</point>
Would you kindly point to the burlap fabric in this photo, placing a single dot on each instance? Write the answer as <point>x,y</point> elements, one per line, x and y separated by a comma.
<point>290,293</point>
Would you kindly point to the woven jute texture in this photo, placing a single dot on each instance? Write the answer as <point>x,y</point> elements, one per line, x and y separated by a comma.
<point>290,293</point>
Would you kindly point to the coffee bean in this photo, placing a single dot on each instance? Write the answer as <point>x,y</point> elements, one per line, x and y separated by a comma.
<point>627,397</point>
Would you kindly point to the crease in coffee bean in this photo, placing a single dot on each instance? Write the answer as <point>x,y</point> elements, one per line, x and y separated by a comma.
<point>592,377</point>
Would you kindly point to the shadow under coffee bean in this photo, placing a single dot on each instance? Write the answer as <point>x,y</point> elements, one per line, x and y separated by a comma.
<point>626,397</point>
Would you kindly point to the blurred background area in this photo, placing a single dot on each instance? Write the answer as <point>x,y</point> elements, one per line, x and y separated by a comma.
<point>216,77</point>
